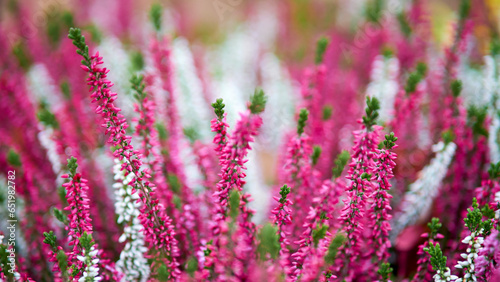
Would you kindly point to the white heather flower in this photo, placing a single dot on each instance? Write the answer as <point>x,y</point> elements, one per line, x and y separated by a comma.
<point>384,84</point>
<point>422,192</point>
<point>475,242</point>
<point>132,262</point>
<point>91,271</point>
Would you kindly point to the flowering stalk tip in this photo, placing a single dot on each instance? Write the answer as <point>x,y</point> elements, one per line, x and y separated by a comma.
<point>303,116</point>
<point>321,46</point>
<point>258,102</point>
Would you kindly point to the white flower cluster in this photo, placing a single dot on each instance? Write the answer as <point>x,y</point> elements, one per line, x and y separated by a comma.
<point>422,192</point>
<point>91,271</point>
<point>384,84</point>
<point>475,242</point>
<point>132,262</point>
<point>446,276</point>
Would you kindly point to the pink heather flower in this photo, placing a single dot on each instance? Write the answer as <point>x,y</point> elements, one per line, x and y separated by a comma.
<point>233,158</point>
<point>361,167</point>
<point>78,207</point>
<point>158,229</point>
<point>379,212</point>
<point>309,258</point>
<point>424,268</point>
<point>489,257</point>
<point>282,216</point>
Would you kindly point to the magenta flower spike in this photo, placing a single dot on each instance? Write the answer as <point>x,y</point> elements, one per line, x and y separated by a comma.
<point>158,228</point>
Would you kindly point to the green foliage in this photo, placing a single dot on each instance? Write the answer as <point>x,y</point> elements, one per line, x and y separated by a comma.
<point>495,46</point>
<point>268,241</point>
<point>20,52</point>
<point>464,9</point>
<point>137,61</point>
<point>218,106</point>
<point>315,154</point>
<point>75,34</point>
<point>387,52</point>
<point>138,87</point>
<point>174,183</point>
<point>162,131</point>
<point>58,22</point>
<point>163,274</point>
<point>321,46</point>
<point>234,203</point>
<point>65,89</point>
<point>334,248</point>
<point>95,33</point>
<point>434,227</point>
<point>86,242</point>
<point>448,136</point>
<point>390,140</point>
<point>319,233</point>
<point>303,116</point>
<point>13,158</point>
<point>384,271</point>
<point>421,69</point>
<point>62,260</point>
<point>192,266</point>
<point>285,190</point>
<point>155,14</point>
<point>404,25</point>
<point>488,212</point>
<point>340,163</point>
<point>415,77</point>
<point>366,176</point>
<point>4,263</point>
<point>176,200</point>
<point>59,214</point>
<point>62,194</point>
<point>191,134</point>
<point>438,261</point>
<point>477,117</point>
<point>456,87</point>
<point>372,107</point>
<point>72,165</point>
<point>374,10</point>
<point>50,239</point>
<point>46,117</point>
<point>327,112</point>
<point>258,102</point>
<point>494,171</point>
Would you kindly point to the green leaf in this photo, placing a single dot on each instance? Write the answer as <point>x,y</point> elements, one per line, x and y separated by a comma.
<point>72,165</point>
<point>258,102</point>
<point>234,203</point>
<point>13,158</point>
<point>335,245</point>
<point>456,87</point>
<point>327,112</point>
<point>319,233</point>
<point>372,107</point>
<point>218,106</point>
<point>155,14</point>
<point>303,116</point>
<point>340,163</point>
<point>268,241</point>
<point>284,191</point>
<point>315,154</point>
<point>321,46</point>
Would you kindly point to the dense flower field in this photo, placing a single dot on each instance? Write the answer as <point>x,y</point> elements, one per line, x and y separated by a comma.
<point>133,148</point>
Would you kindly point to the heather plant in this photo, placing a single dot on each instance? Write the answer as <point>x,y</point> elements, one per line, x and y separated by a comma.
<point>136,150</point>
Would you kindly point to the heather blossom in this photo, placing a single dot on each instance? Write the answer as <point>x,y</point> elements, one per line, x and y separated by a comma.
<point>360,171</point>
<point>158,231</point>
